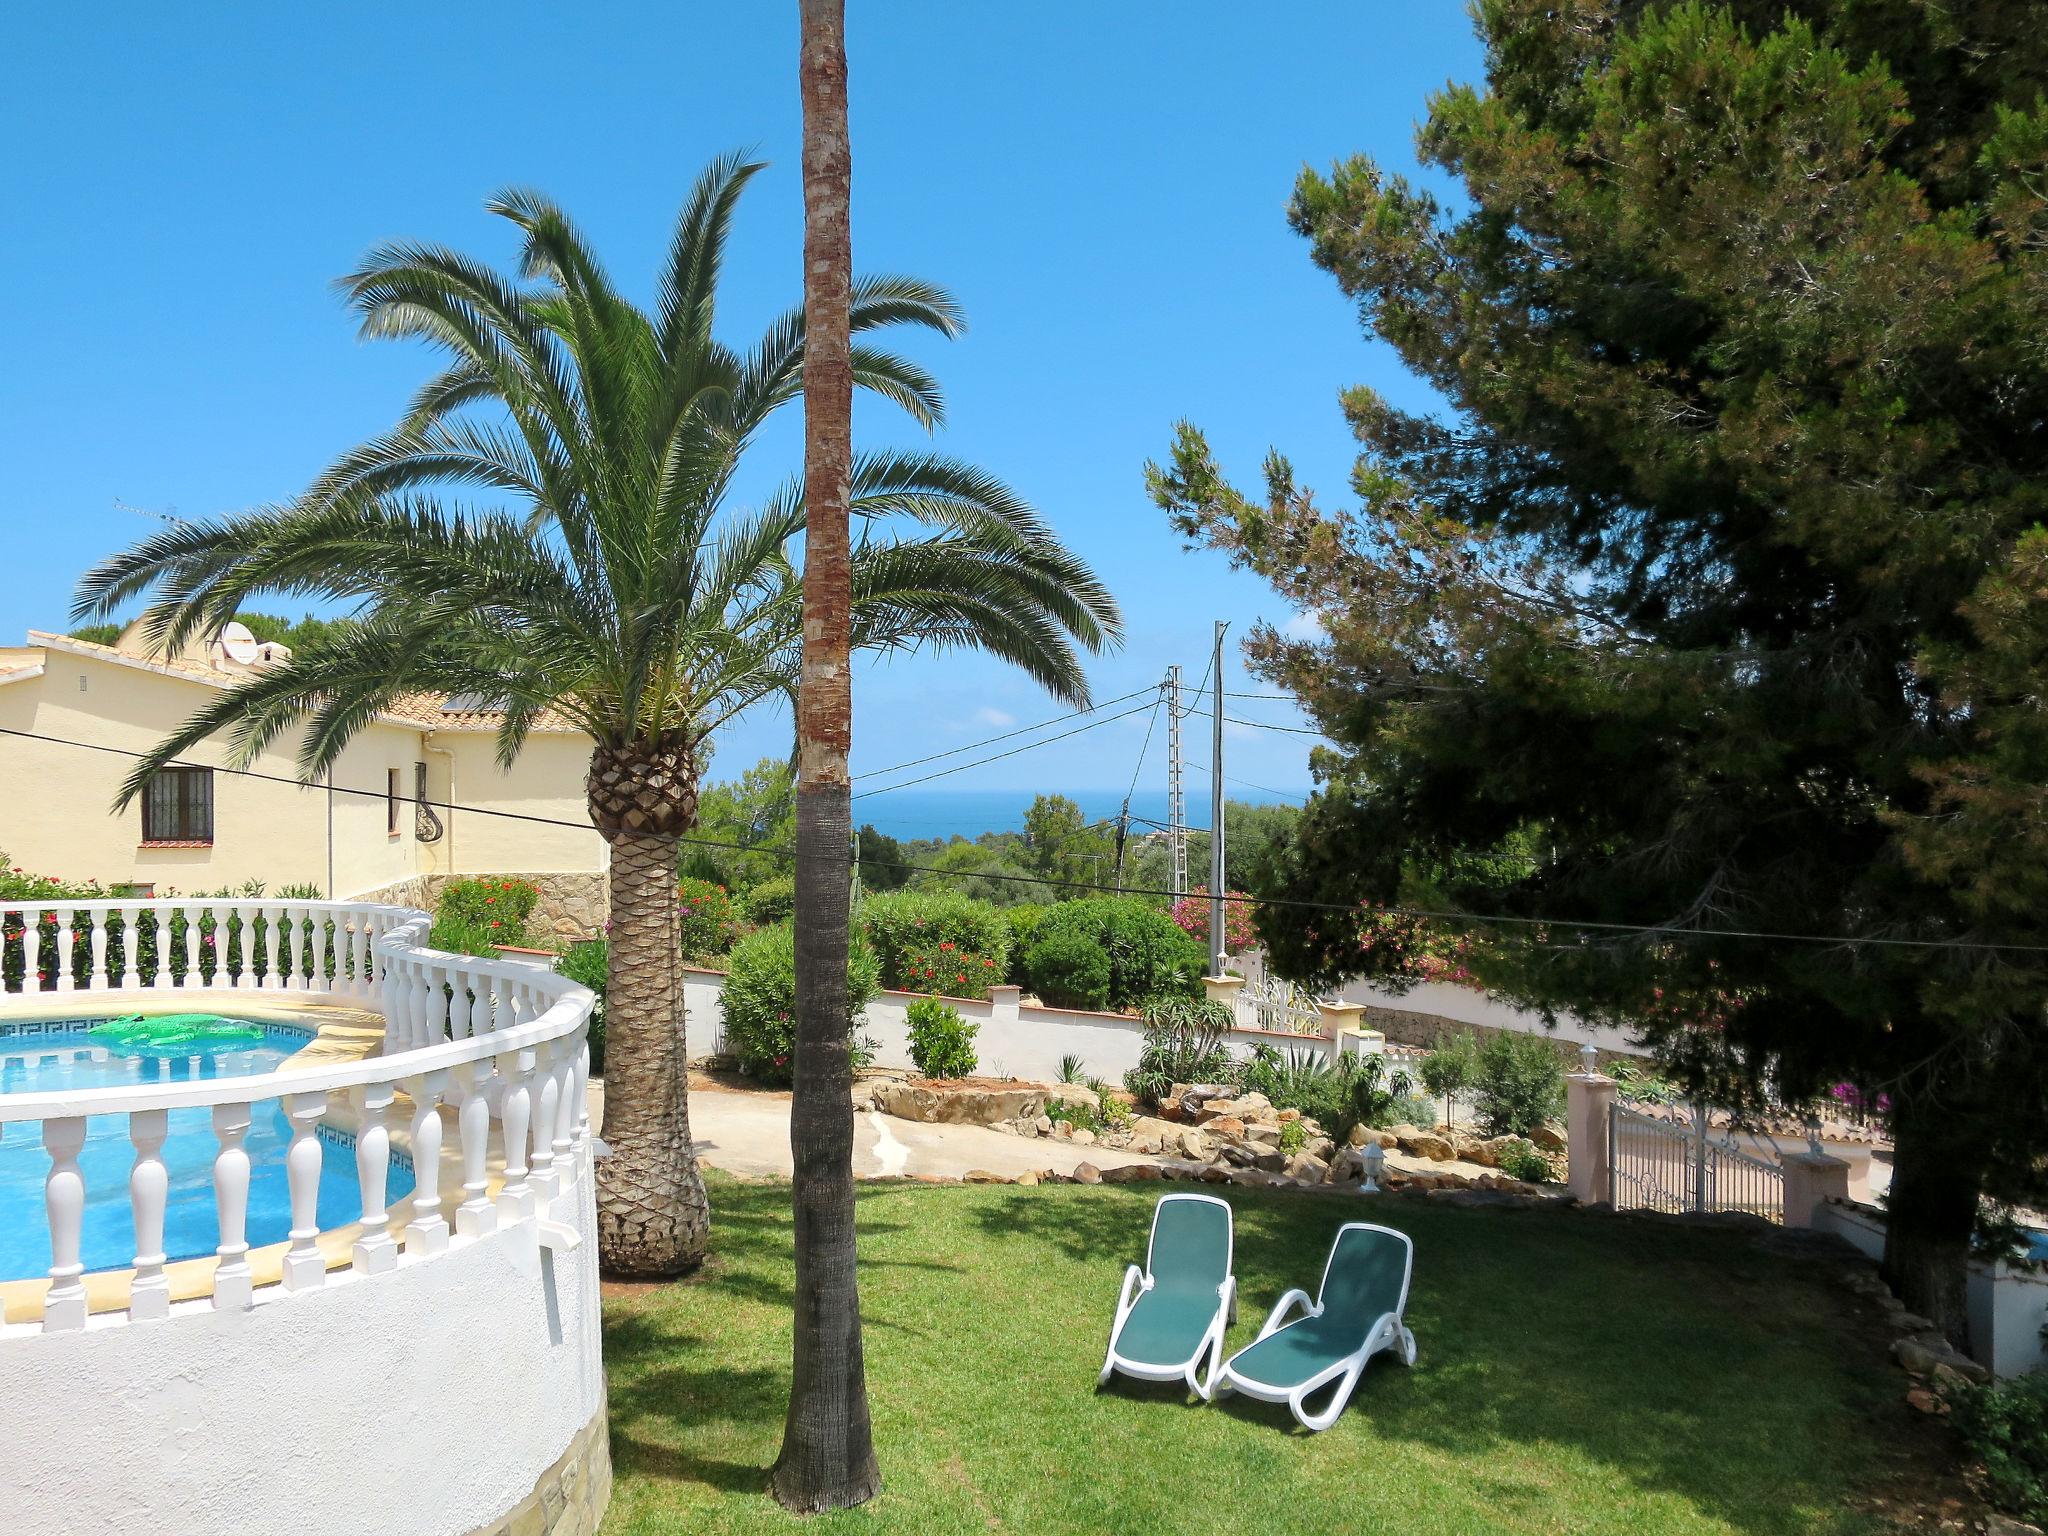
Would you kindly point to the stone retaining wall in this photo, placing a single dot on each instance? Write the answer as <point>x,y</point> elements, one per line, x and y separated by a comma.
<point>570,1498</point>
<point>573,904</point>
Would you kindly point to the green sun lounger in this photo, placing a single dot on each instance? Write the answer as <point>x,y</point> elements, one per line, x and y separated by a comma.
<point>1356,1314</point>
<point>1173,1311</point>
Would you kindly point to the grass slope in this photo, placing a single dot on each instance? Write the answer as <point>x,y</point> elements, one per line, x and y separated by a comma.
<point>1577,1374</point>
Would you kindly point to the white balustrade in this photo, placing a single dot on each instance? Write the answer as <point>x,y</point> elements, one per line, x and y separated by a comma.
<point>476,1215</point>
<point>231,1277</point>
<point>131,943</point>
<point>488,1038</point>
<point>515,1200</point>
<point>374,1251</point>
<point>149,1293</point>
<point>64,1205</point>
<point>66,940</point>
<point>427,1232</point>
<point>305,1267</point>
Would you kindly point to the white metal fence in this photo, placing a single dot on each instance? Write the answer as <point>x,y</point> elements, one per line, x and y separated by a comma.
<point>1267,1002</point>
<point>1667,1165</point>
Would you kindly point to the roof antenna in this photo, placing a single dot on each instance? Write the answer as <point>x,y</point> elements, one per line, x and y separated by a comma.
<point>167,515</point>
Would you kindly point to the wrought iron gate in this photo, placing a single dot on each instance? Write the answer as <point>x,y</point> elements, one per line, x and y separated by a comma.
<point>1665,1165</point>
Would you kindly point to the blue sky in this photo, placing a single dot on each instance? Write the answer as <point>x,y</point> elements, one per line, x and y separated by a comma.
<point>1103,187</point>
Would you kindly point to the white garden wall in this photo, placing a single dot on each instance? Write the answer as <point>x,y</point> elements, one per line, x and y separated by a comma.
<point>1015,1040</point>
<point>2007,1306</point>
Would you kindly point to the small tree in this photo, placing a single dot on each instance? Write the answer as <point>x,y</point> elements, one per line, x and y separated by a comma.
<point>1451,1069</point>
<point>1519,1083</point>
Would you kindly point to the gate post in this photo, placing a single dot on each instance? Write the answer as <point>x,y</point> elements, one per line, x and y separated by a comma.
<point>1589,1103</point>
<point>1811,1180</point>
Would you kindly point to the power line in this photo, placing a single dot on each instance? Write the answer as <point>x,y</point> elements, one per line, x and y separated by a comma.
<point>1158,697</point>
<point>1284,794</point>
<point>1022,730</point>
<point>889,789</point>
<point>1472,919</point>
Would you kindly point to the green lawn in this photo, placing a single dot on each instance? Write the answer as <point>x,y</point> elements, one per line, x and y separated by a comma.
<point>1577,1374</point>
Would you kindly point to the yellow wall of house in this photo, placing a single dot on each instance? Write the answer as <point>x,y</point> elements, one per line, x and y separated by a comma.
<point>546,781</point>
<point>55,800</point>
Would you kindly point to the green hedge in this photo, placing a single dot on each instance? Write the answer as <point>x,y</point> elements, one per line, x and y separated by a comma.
<point>1139,955</point>
<point>759,1001</point>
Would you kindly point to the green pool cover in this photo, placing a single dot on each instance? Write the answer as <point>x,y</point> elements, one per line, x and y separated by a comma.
<point>175,1031</point>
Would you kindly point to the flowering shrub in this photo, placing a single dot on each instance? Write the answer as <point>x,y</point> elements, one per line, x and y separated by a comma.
<point>956,972</point>
<point>941,1042</point>
<point>1395,944</point>
<point>28,930</point>
<point>908,928</point>
<point>706,919</point>
<point>1191,916</point>
<point>487,910</point>
<point>759,1001</point>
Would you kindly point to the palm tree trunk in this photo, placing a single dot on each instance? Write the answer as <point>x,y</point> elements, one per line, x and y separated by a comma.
<point>828,1453</point>
<point>652,1214</point>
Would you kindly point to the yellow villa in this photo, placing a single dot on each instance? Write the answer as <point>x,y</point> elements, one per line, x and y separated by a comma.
<point>416,798</point>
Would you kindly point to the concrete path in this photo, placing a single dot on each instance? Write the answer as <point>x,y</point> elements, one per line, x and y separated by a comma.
<point>746,1132</point>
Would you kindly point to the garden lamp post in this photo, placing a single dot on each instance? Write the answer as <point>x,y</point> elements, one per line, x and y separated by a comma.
<point>1372,1158</point>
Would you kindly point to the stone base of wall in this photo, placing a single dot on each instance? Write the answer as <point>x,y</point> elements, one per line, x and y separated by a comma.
<point>570,1498</point>
<point>1403,1026</point>
<point>572,906</point>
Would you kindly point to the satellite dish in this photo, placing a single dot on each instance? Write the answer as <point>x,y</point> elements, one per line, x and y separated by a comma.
<point>238,645</point>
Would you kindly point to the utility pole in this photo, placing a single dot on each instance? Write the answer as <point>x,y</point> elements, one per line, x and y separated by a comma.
<point>1176,793</point>
<point>1123,832</point>
<point>1216,810</point>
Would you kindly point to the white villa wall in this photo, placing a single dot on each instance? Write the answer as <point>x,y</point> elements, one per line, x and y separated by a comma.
<point>54,799</point>
<point>546,781</point>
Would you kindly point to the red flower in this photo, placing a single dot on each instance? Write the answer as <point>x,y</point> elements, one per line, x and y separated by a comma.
<point>496,924</point>
<point>988,965</point>
<point>946,944</point>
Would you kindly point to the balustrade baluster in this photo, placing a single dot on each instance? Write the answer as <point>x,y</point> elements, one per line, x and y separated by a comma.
<point>181,942</point>
<point>374,1251</point>
<point>279,944</point>
<point>304,1266</point>
<point>480,1006</point>
<point>67,944</point>
<point>426,999</point>
<point>64,1207</point>
<point>131,945</point>
<point>231,1281</point>
<point>149,1293</point>
<point>564,1054</point>
<point>96,973</point>
<point>515,1200</point>
<point>476,1215</point>
<point>159,972</point>
<point>547,1101</point>
<point>427,1232</point>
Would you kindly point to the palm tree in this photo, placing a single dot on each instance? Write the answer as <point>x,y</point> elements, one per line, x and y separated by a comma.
<point>828,1454</point>
<point>606,579</point>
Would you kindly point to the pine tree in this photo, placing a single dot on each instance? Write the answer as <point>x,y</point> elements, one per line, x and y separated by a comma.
<point>1716,600</point>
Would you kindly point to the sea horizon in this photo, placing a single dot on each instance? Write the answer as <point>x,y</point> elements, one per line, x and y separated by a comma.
<point>950,813</point>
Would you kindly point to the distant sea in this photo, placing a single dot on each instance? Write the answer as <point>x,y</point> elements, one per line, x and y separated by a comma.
<point>949,813</point>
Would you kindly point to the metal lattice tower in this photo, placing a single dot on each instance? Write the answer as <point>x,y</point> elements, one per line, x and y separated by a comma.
<point>1176,789</point>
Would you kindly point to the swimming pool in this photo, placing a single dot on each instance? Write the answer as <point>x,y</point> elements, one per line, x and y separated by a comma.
<point>64,1054</point>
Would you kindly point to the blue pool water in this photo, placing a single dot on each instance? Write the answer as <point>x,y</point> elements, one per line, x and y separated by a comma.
<point>43,1058</point>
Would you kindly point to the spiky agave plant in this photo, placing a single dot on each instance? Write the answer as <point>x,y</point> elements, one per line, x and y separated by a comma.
<point>606,578</point>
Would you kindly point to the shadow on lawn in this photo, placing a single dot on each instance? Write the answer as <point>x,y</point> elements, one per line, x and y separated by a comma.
<point>1688,1360</point>
<point>648,1384</point>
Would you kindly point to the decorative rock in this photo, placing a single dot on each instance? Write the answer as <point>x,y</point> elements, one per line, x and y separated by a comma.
<point>1043,1124</point>
<point>963,1106</point>
<point>1360,1135</point>
<point>1549,1138</point>
<point>1215,1173</point>
<point>1080,1135</point>
<point>1131,1173</point>
<point>1925,1401</point>
<point>1427,1144</point>
<point>1320,1146</point>
<point>1159,1130</point>
<point>1306,1166</point>
<point>1224,1125</point>
<point>1072,1093</point>
<point>2004,1525</point>
<point>1194,1146</point>
<point>1027,1178</point>
<point>1274,1161</point>
<point>982,1176</point>
<point>1087,1173</point>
